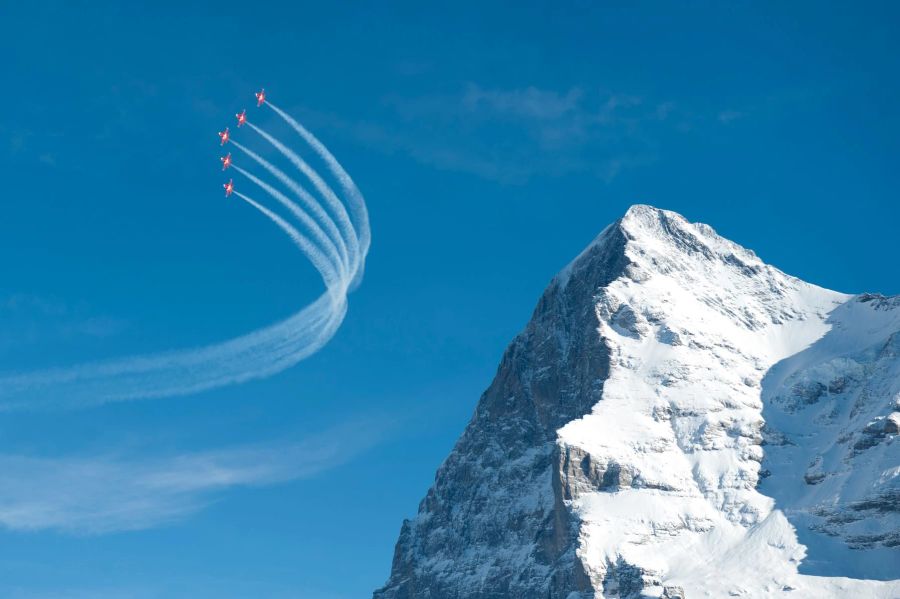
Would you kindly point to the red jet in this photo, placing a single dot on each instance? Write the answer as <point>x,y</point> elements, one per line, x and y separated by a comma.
<point>242,117</point>
<point>224,136</point>
<point>261,97</point>
<point>226,161</point>
<point>229,187</point>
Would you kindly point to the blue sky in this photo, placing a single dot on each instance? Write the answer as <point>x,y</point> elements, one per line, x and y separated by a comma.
<point>493,141</point>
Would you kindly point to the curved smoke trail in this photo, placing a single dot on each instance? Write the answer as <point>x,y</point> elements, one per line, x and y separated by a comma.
<point>255,355</point>
<point>348,230</point>
<point>313,252</point>
<point>330,276</point>
<point>309,202</point>
<point>355,198</point>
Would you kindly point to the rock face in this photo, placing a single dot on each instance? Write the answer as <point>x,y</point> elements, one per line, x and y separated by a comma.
<point>674,409</point>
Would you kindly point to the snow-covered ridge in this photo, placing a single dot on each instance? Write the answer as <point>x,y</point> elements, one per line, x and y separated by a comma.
<point>673,407</point>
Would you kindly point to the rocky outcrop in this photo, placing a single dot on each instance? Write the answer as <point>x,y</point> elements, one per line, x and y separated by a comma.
<point>496,514</point>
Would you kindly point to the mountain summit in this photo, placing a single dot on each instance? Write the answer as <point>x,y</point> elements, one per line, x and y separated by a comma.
<point>678,419</point>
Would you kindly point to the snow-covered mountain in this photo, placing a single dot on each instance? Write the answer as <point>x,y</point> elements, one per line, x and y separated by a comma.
<point>678,419</point>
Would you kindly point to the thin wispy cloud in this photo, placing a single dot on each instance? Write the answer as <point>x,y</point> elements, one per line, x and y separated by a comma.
<point>29,301</point>
<point>727,116</point>
<point>18,140</point>
<point>29,319</point>
<point>30,146</point>
<point>513,134</point>
<point>529,103</point>
<point>106,493</point>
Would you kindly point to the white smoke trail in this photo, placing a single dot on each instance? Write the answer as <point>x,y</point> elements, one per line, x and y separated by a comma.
<point>325,244</point>
<point>356,200</point>
<point>331,200</point>
<point>309,202</point>
<point>327,269</point>
<point>255,355</point>
<point>258,354</point>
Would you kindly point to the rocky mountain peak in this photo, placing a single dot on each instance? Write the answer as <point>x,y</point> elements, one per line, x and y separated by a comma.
<point>674,408</point>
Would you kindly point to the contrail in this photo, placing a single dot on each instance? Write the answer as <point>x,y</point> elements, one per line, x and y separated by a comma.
<point>325,268</point>
<point>331,199</point>
<point>258,354</point>
<point>357,202</point>
<point>336,260</point>
<point>308,200</point>
<point>252,356</point>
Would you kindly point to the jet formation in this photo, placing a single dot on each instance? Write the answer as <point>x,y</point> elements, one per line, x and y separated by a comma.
<point>225,136</point>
